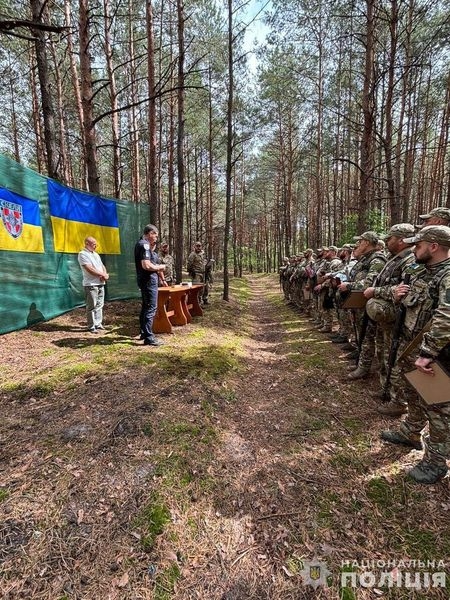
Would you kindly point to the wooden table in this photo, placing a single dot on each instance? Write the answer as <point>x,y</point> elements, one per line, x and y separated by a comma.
<point>193,304</point>
<point>177,304</point>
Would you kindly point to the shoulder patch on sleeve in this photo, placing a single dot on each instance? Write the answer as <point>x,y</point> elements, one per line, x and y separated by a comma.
<point>447,296</point>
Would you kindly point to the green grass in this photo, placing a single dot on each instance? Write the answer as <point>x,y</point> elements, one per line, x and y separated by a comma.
<point>165,582</point>
<point>4,494</point>
<point>152,520</point>
<point>346,459</point>
<point>184,435</point>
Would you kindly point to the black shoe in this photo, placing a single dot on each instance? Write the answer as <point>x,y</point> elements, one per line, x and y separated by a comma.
<point>92,330</point>
<point>100,327</point>
<point>153,342</point>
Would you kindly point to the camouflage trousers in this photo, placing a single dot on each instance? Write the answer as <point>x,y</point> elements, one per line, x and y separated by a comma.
<point>367,352</point>
<point>397,383</point>
<point>200,278</point>
<point>437,441</point>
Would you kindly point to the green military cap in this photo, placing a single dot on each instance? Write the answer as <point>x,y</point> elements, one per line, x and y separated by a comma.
<point>333,248</point>
<point>369,236</point>
<point>401,230</point>
<point>441,212</point>
<point>439,234</point>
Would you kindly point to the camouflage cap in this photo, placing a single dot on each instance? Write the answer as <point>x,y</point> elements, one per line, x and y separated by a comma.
<point>347,247</point>
<point>369,236</point>
<point>439,234</point>
<point>400,230</point>
<point>309,251</point>
<point>441,212</point>
<point>333,248</point>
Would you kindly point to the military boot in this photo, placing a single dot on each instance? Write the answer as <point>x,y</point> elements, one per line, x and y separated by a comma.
<point>326,329</point>
<point>392,409</point>
<point>397,437</point>
<point>358,373</point>
<point>428,472</point>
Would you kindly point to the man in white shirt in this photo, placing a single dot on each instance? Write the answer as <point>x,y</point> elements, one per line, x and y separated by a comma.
<point>94,279</point>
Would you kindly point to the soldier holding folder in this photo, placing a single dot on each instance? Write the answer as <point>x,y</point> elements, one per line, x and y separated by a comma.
<point>426,299</point>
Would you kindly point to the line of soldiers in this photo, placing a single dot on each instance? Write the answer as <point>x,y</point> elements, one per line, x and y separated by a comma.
<point>405,322</point>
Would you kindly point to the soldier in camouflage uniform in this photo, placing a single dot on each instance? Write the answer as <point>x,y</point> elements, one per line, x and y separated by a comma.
<point>327,292</point>
<point>437,216</point>
<point>297,281</point>
<point>380,308</point>
<point>370,263</point>
<point>344,333</point>
<point>284,281</point>
<point>320,270</point>
<point>306,272</point>
<point>167,259</point>
<point>427,299</point>
<point>196,264</point>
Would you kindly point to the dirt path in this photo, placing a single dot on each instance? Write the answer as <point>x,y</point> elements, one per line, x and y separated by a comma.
<point>210,468</point>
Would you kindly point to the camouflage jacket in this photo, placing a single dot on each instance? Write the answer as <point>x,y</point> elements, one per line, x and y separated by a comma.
<point>392,274</point>
<point>169,262</point>
<point>429,298</point>
<point>366,270</point>
<point>196,262</point>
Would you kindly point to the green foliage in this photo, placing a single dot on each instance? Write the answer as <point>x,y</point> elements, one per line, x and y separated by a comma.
<point>376,221</point>
<point>4,494</point>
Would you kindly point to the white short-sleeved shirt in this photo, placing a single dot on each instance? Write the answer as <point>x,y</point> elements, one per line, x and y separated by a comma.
<point>86,257</point>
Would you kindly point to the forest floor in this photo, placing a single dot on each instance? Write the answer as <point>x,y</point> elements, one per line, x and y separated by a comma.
<point>235,462</point>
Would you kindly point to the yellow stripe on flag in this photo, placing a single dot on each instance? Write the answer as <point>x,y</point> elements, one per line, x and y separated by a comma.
<point>30,240</point>
<point>69,236</point>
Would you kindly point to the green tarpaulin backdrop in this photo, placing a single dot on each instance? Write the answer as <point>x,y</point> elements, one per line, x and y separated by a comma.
<point>40,286</point>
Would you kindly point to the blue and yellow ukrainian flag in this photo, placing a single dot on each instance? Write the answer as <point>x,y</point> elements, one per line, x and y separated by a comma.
<point>77,215</point>
<point>20,226</point>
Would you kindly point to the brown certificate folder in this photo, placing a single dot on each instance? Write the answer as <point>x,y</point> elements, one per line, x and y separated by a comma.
<point>356,299</point>
<point>434,390</point>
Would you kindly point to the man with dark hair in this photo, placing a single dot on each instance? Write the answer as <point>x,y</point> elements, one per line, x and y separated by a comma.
<point>149,272</point>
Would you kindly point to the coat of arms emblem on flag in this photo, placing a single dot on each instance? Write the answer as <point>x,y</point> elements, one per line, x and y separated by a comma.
<point>12,218</point>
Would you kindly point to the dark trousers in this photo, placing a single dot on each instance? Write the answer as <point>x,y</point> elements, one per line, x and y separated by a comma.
<point>149,293</point>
